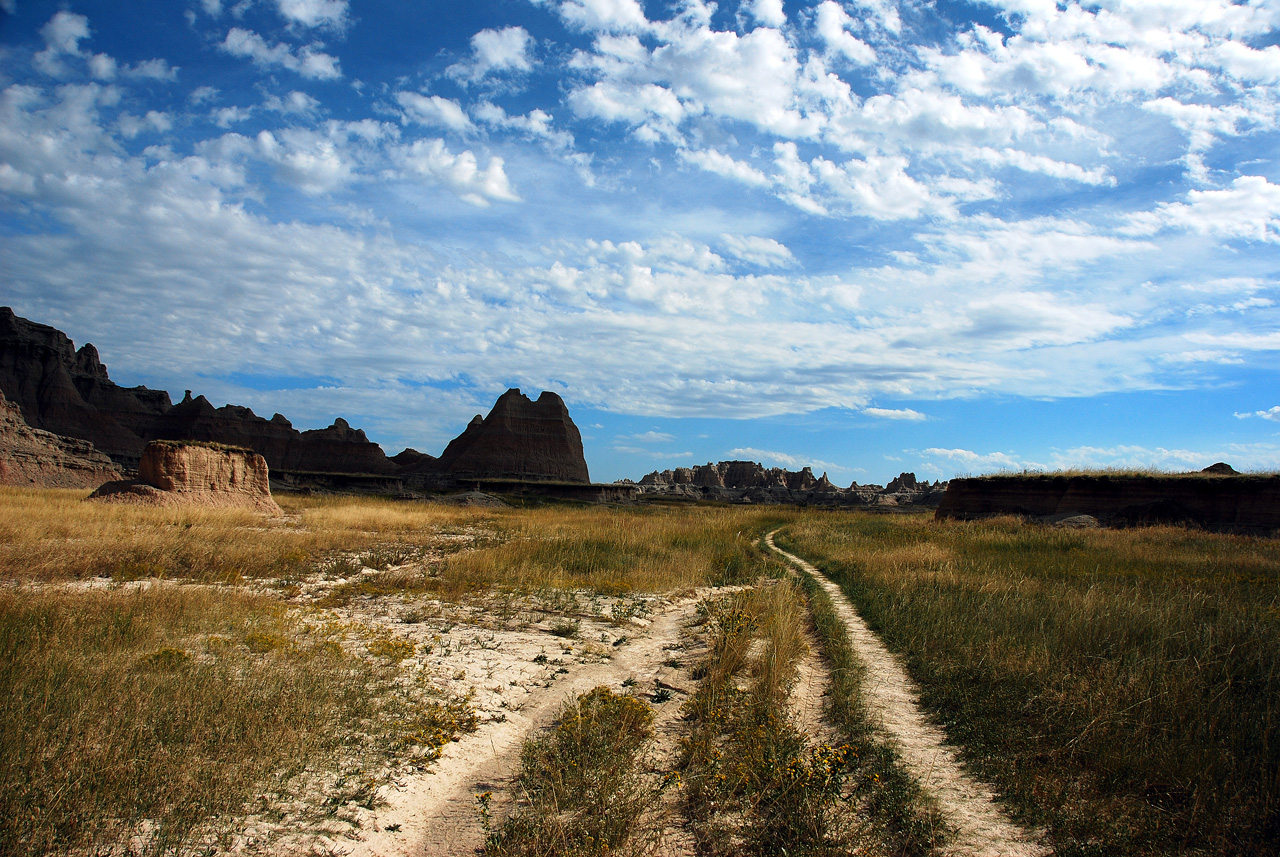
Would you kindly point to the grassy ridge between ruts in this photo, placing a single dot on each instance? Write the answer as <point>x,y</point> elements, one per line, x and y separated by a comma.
<point>1120,688</point>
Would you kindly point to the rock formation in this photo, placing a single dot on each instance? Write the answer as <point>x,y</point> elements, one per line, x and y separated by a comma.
<point>520,440</point>
<point>34,457</point>
<point>1213,499</point>
<point>202,474</point>
<point>751,482</point>
<point>66,391</point>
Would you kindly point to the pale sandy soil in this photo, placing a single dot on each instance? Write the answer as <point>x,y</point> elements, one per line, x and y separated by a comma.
<point>983,828</point>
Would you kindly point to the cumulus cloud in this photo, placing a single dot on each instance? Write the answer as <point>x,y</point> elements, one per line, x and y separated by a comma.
<point>758,250</point>
<point>505,50</point>
<point>461,172</point>
<point>780,459</point>
<point>976,461</point>
<point>832,25</point>
<point>768,12</point>
<point>604,15</point>
<point>434,111</point>
<point>309,61</point>
<point>1248,210</point>
<point>314,13</point>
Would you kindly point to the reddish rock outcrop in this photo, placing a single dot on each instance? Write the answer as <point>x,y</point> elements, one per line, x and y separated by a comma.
<point>1221,502</point>
<point>34,457</point>
<point>520,439</point>
<point>172,473</point>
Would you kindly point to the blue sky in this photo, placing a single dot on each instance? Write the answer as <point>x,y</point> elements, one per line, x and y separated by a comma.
<point>870,235</point>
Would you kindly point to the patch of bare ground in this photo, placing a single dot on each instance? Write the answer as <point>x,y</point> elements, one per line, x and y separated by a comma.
<point>519,678</point>
<point>983,828</point>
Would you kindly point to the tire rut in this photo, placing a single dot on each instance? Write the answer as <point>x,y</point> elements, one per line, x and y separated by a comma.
<point>436,814</point>
<point>983,828</point>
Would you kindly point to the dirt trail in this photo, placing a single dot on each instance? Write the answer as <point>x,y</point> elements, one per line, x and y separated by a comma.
<point>983,829</point>
<point>436,813</point>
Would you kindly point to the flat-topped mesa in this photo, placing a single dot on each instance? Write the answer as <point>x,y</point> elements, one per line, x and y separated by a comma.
<point>1216,498</point>
<point>520,439</point>
<point>200,474</point>
<point>34,457</point>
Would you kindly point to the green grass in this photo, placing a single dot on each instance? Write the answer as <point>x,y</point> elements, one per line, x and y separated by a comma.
<point>1118,687</point>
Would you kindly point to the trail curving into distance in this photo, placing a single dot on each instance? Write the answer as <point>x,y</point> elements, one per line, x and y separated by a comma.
<point>983,829</point>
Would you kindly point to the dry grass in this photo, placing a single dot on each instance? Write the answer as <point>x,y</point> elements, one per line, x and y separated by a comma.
<point>582,788</point>
<point>53,535</point>
<point>137,715</point>
<point>613,551</point>
<point>1119,687</point>
<point>136,718</point>
<point>752,785</point>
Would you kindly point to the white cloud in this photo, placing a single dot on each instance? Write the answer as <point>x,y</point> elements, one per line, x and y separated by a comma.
<point>895,414</point>
<point>653,437</point>
<point>832,25</point>
<point>724,165</point>
<point>314,13</point>
<point>604,15</point>
<point>768,12</point>
<point>308,61</point>
<point>461,173</point>
<point>295,103</point>
<point>1249,210</point>
<point>1269,414</point>
<point>759,251</point>
<point>780,459</point>
<point>505,50</point>
<point>434,111</point>
<point>976,461</point>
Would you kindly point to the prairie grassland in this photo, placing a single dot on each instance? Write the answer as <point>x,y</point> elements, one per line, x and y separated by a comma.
<point>53,535</point>
<point>615,551</point>
<point>149,716</point>
<point>133,719</point>
<point>1119,687</point>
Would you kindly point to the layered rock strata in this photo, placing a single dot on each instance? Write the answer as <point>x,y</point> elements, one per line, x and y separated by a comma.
<point>199,474</point>
<point>520,440</point>
<point>38,458</point>
<point>68,392</point>
<point>751,482</point>
<point>1213,499</point>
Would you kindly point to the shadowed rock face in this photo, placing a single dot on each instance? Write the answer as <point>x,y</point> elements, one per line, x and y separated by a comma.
<point>66,391</point>
<point>196,474</point>
<point>520,439</point>
<point>751,482</point>
<point>1214,500</point>
<point>34,457</point>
